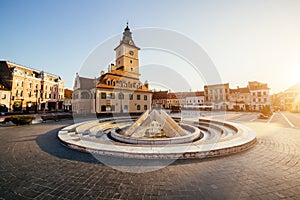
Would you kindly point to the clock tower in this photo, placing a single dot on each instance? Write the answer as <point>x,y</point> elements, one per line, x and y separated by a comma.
<point>127,55</point>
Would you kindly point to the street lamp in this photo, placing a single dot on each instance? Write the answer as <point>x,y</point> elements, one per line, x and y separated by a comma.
<point>121,98</point>
<point>22,105</point>
<point>36,101</point>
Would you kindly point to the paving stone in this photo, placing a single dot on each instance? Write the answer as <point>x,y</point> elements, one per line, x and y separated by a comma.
<point>34,164</point>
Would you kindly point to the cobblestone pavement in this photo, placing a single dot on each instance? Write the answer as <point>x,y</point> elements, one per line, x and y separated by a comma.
<point>34,164</point>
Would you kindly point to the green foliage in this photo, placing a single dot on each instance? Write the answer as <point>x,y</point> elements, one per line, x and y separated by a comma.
<point>22,119</point>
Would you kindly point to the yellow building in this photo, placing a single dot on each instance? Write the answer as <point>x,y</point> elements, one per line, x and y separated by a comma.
<point>120,89</point>
<point>32,89</point>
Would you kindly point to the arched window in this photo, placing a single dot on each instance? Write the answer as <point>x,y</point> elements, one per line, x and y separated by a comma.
<point>138,107</point>
<point>121,96</point>
<point>85,95</point>
<point>145,107</point>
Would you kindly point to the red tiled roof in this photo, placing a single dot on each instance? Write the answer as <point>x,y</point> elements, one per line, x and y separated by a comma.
<point>160,95</point>
<point>255,85</point>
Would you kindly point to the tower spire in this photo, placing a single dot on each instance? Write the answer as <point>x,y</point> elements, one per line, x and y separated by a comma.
<point>127,28</point>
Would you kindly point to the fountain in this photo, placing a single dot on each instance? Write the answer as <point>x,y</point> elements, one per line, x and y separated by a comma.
<point>155,135</point>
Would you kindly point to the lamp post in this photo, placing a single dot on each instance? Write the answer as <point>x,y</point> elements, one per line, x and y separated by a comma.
<point>121,98</point>
<point>22,105</point>
<point>36,101</point>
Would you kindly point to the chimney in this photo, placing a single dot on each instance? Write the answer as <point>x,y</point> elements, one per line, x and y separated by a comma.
<point>112,67</point>
<point>146,84</point>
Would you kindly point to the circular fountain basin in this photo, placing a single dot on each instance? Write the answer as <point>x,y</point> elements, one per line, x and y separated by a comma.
<point>217,138</point>
<point>193,133</point>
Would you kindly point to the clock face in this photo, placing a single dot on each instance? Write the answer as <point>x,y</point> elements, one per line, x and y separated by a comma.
<point>131,53</point>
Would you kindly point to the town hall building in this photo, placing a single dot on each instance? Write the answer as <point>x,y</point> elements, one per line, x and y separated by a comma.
<point>120,89</point>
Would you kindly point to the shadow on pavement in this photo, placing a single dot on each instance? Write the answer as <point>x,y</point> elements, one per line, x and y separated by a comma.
<point>50,144</point>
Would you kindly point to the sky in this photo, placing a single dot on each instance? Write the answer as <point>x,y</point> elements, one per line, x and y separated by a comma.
<point>254,40</point>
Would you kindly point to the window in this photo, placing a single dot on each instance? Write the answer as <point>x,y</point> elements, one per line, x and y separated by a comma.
<point>126,108</point>
<point>145,107</point>
<point>85,95</point>
<point>22,84</point>
<point>4,96</point>
<point>138,107</point>
<point>131,96</point>
<point>131,62</point>
<point>145,97</point>
<point>121,96</point>
<point>36,86</point>
<point>17,93</point>
<point>103,108</point>
<point>265,100</point>
<point>131,69</point>
<point>113,96</point>
<point>21,94</point>
<point>30,85</point>
<point>138,97</point>
<point>103,95</point>
<point>113,108</point>
<point>50,96</point>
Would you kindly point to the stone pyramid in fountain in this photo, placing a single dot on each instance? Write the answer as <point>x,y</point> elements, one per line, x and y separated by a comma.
<point>155,124</point>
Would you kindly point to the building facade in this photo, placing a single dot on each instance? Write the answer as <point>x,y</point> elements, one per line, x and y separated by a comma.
<point>217,95</point>
<point>120,89</point>
<point>259,95</point>
<point>32,89</point>
<point>165,99</point>
<point>239,99</point>
<point>84,91</point>
<point>194,99</point>
<point>159,99</point>
<point>68,94</point>
<point>292,98</point>
<point>4,98</point>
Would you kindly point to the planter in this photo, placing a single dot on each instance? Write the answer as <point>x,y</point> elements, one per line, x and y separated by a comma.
<point>22,120</point>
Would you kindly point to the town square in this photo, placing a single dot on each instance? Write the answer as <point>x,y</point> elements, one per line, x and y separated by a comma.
<point>109,100</point>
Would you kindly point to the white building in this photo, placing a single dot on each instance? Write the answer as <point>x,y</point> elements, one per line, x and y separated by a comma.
<point>239,99</point>
<point>84,90</point>
<point>217,95</point>
<point>259,95</point>
<point>195,99</point>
